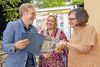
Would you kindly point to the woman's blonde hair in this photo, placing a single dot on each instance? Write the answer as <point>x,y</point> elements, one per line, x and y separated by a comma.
<point>24,7</point>
<point>55,19</point>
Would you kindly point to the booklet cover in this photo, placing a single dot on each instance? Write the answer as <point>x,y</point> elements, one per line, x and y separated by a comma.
<point>36,41</point>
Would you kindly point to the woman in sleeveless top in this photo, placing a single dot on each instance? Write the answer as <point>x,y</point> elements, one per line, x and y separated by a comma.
<point>53,59</point>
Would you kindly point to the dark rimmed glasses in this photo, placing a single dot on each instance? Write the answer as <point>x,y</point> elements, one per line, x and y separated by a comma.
<point>71,18</point>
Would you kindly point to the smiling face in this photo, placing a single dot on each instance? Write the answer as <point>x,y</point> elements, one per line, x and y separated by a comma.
<point>78,17</point>
<point>30,15</point>
<point>27,13</point>
<point>51,22</point>
<point>73,20</point>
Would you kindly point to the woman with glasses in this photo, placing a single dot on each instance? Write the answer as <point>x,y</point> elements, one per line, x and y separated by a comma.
<point>83,43</point>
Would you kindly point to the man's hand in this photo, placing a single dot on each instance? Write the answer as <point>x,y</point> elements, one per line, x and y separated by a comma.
<point>21,44</point>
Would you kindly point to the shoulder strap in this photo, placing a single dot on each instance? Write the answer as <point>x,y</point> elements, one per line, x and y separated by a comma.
<point>45,32</point>
<point>58,33</point>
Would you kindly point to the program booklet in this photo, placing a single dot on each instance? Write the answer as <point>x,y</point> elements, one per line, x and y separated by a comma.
<point>36,41</point>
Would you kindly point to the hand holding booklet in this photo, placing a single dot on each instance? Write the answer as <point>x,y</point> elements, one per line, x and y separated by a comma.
<point>36,41</point>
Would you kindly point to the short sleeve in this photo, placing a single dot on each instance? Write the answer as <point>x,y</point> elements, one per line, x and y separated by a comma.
<point>62,36</point>
<point>90,37</point>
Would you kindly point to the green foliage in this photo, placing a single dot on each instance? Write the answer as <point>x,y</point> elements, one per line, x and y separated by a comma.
<point>49,3</point>
<point>77,2</point>
<point>10,9</point>
<point>11,15</point>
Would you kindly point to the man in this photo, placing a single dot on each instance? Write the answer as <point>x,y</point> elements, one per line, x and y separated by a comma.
<point>12,43</point>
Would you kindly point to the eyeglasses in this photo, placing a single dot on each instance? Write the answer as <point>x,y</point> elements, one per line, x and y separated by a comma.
<point>72,18</point>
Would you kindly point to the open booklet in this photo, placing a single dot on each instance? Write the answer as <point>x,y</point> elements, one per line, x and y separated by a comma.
<point>36,41</point>
<point>49,44</point>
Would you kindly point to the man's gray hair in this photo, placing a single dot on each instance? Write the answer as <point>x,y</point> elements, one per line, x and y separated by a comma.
<point>24,7</point>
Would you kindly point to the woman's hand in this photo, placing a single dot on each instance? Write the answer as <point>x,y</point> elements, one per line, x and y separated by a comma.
<point>47,55</point>
<point>49,38</point>
<point>60,46</point>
